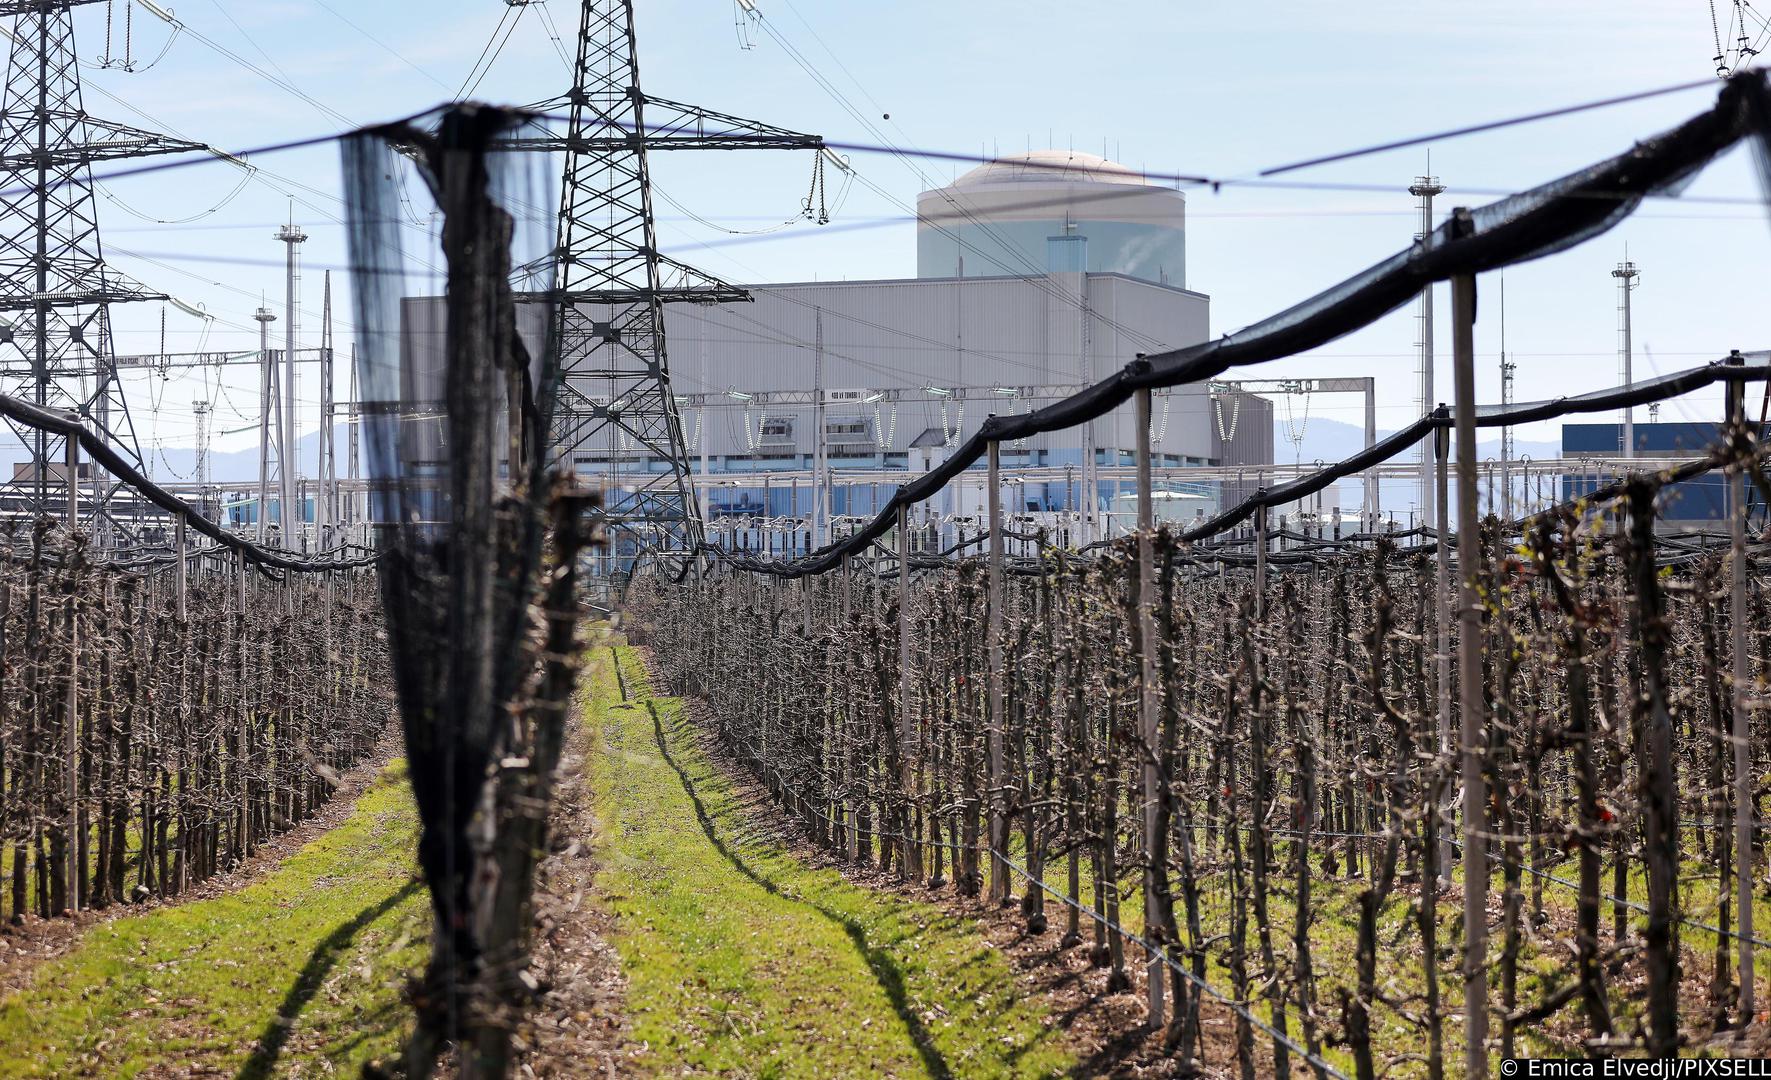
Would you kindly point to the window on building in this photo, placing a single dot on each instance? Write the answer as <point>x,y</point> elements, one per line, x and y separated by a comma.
<point>775,430</point>
<point>851,432</point>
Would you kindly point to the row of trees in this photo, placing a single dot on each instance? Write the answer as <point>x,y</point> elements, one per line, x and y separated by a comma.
<point>150,740</point>
<point>1303,825</point>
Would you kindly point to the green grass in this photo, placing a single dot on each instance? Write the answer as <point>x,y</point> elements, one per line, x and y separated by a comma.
<point>299,973</point>
<point>744,961</point>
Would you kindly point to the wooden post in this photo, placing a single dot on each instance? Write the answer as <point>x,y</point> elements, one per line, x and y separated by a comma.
<point>1150,713</point>
<point>1442,620</point>
<point>183,580</point>
<point>993,730</point>
<point>1743,784</point>
<point>912,863</point>
<point>71,736</point>
<point>1260,560</point>
<point>1469,673</point>
<point>848,817</point>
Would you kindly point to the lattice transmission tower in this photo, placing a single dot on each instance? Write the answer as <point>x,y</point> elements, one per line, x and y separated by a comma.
<point>617,409</point>
<point>55,288</point>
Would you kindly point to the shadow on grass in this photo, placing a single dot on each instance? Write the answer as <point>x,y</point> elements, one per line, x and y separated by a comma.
<point>885,970</point>
<point>319,963</point>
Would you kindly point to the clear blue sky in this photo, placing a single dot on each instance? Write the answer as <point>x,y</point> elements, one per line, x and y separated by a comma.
<point>1217,89</point>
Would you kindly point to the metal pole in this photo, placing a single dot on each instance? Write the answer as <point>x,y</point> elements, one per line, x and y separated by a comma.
<point>1155,851</point>
<point>704,436</point>
<point>287,465</point>
<point>328,479</point>
<point>1743,781</point>
<point>1424,188</point>
<point>350,463</point>
<point>1442,621</point>
<point>993,732</point>
<point>1625,274</point>
<point>267,376</point>
<point>71,736</point>
<point>1371,481</point>
<point>1469,660</point>
<point>820,514</point>
<point>1507,367</point>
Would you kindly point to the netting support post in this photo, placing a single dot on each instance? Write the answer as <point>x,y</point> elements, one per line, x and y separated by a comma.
<point>993,731</point>
<point>183,578</point>
<point>1743,781</point>
<point>1262,540</point>
<point>1469,665</point>
<point>906,705</point>
<point>1150,715</point>
<point>71,734</point>
<point>1442,623</point>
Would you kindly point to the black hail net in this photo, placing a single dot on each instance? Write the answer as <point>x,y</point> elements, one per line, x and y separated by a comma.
<point>457,380</point>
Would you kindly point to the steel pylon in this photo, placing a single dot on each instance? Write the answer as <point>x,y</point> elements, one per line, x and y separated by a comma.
<point>617,415</point>
<point>55,288</point>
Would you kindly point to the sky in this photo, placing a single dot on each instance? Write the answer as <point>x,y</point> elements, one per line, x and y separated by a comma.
<point>1170,86</point>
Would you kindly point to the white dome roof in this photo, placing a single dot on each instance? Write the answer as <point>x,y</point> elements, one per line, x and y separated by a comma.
<point>1051,166</point>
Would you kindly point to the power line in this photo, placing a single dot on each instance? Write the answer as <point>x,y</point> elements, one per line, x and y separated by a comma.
<point>469,84</point>
<point>1492,125</point>
<point>280,82</point>
<point>395,53</point>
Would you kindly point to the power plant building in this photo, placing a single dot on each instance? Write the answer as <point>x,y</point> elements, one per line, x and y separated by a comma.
<point>1037,275</point>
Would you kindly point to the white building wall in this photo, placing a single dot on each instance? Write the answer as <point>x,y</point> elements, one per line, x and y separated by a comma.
<point>909,334</point>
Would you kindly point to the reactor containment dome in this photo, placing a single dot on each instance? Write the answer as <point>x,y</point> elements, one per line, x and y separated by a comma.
<point>1052,211</point>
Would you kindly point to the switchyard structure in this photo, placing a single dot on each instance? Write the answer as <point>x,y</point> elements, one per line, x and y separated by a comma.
<point>56,289</point>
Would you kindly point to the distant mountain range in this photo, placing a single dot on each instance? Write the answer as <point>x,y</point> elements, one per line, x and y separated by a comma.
<point>178,464</point>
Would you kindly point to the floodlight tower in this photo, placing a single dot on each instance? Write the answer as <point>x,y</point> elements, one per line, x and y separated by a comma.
<point>55,288</point>
<point>612,283</point>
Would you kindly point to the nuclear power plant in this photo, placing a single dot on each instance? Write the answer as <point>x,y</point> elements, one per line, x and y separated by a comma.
<point>1037,275</point>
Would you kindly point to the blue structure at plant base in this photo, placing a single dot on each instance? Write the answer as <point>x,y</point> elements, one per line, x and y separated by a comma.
<point>1704,499</point>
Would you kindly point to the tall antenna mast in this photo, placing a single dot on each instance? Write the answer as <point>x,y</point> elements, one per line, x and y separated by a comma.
<point>613,284</point>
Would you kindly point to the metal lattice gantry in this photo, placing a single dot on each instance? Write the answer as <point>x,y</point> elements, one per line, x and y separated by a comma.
<point>55,288</point>
<point>617,411</point>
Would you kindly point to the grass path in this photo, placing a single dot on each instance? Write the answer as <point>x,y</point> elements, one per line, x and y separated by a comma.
<point>297,974</point>
<point>743,961</point>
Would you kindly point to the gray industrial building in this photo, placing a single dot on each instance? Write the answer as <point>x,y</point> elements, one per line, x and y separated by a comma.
<point>1063,268</point>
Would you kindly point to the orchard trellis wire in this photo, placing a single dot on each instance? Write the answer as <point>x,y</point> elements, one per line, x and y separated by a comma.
<point>1304,792</point>
<point>199,726</point>
<point>1295,757</point>
<point>163,714</point>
